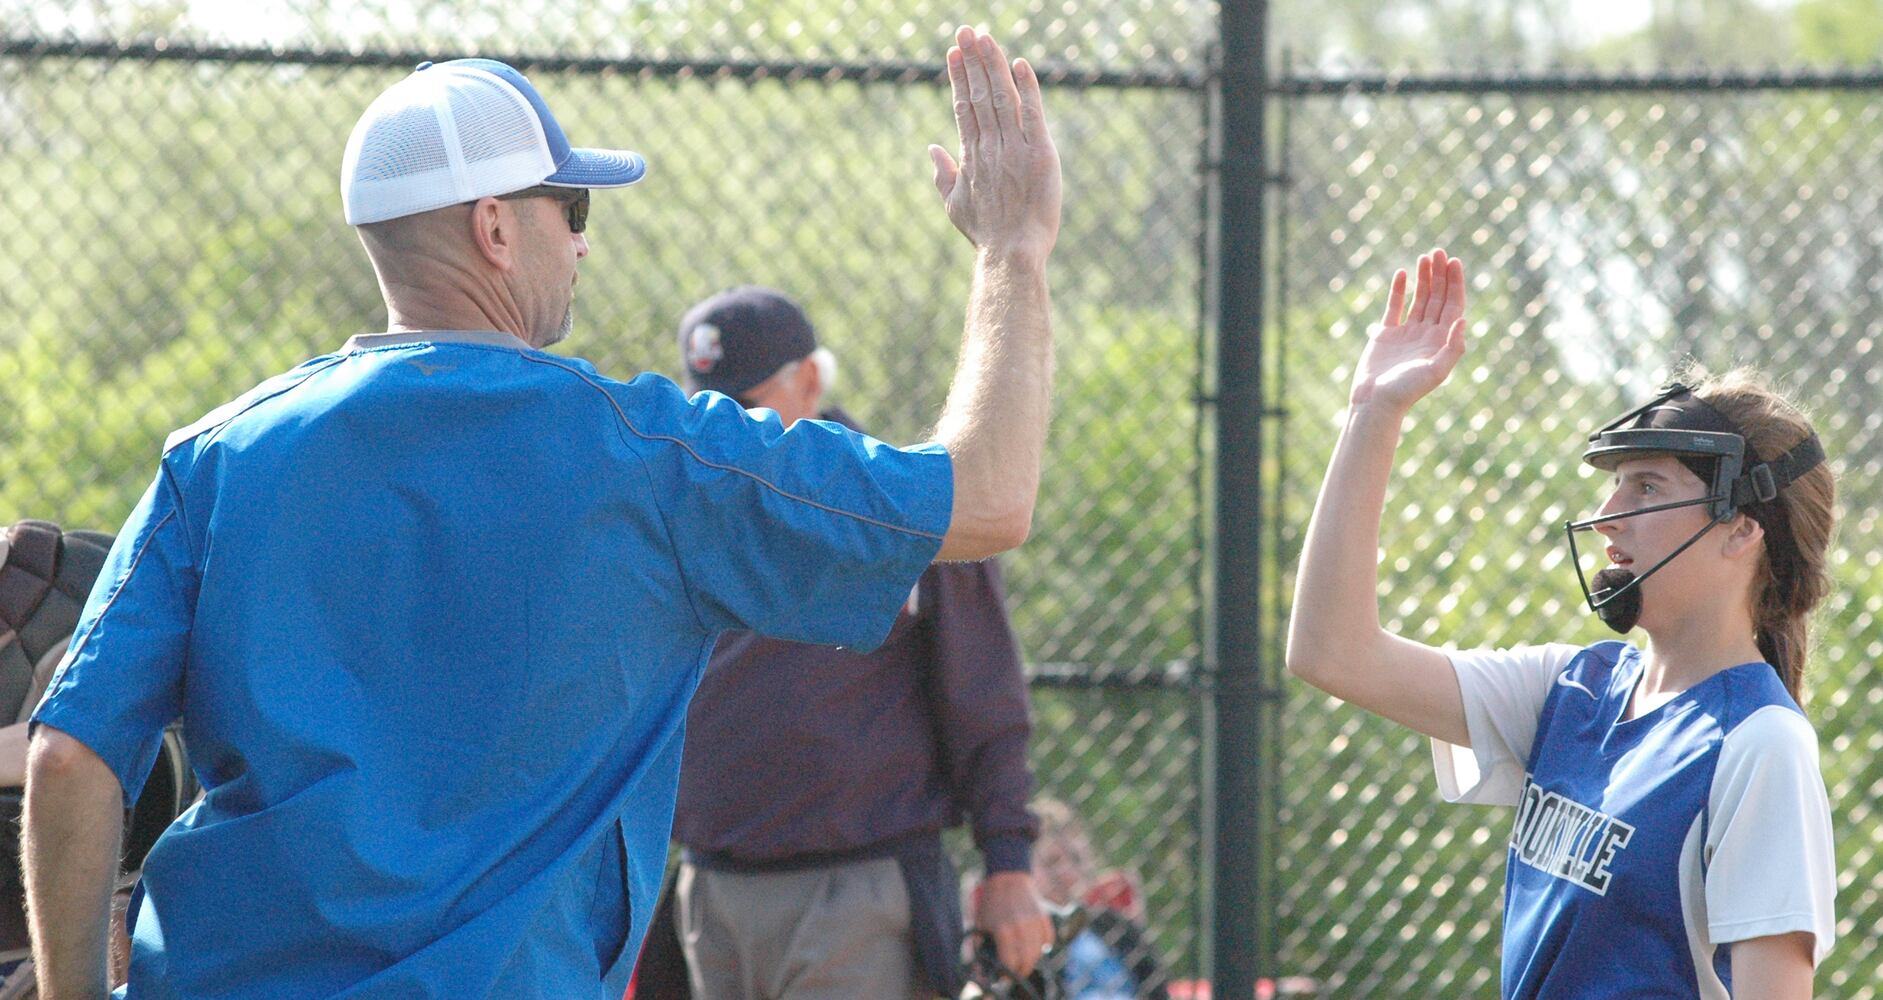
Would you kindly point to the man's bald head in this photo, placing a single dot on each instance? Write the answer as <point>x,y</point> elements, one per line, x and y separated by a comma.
<point>410,243</point>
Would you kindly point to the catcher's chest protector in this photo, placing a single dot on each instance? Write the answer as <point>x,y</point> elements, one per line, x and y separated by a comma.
<point>45,577</point>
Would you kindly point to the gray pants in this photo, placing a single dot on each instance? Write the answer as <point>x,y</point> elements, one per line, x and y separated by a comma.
<point>838,933</point>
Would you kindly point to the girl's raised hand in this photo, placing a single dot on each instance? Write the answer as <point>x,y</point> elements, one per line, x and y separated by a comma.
<point>1412,353</point>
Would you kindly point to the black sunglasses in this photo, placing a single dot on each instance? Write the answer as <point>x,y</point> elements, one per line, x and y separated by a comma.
<point>574,202</point>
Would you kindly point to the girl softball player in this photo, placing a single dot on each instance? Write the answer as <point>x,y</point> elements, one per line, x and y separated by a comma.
<point>1671,835</point>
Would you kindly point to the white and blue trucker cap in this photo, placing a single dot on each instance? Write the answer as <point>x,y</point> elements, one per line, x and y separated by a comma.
<point>458,131</point>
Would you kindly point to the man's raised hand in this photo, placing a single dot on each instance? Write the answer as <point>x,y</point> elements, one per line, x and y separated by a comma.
<point>1003,194</point>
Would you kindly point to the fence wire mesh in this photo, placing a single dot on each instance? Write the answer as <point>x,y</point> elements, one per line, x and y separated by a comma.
<point>174,236</point>
<point>1608,237</point>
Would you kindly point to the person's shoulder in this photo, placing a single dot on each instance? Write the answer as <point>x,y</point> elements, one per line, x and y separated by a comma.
<point>1752,694</point>
<point>579,371</point>
<point>1539,659</point>
<point>1607,654</point>
<point>1767,728</point>
<point>655,389</point>
<point>1597,665</point>
<point>643,392</point>
<point>647,405</point>
<point>569,364</point>
<point>1770,750</point>
<point>837,415</point>
<point>181,441</point>
<point>655,408</point>
<point>1759,723</point>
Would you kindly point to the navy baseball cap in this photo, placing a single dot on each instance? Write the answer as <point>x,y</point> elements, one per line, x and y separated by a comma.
<point>458,131</point>
<point>739,338</point>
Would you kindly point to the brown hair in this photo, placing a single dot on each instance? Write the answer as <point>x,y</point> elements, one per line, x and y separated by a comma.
<point>1792,577</point>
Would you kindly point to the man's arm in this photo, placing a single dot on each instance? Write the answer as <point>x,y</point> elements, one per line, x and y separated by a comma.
<point>1004,196</point>
<point>96,734</point>
<point>74,816</point>
<point>983,725</point>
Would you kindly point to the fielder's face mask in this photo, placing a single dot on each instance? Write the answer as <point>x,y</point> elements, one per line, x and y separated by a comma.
<point>1682,425</point>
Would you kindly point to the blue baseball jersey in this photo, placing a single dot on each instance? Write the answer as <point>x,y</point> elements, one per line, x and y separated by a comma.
<point>1642,848</point>
<point>431,610</point>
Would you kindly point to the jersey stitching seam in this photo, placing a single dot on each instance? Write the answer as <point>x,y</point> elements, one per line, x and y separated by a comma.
<point>666,523</point>
<point>183,520</point>
<point>1759,920</point>
<point>696,456</point>
<point>210,433</point>
<point>673,544</point>
<point>78,645</point>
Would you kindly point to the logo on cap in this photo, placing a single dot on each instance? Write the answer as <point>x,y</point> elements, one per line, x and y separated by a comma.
<point>703,350</point>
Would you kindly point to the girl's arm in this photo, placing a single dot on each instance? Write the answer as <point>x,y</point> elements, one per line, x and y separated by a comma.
<point>1335,641</point>
<point>1777,967</point>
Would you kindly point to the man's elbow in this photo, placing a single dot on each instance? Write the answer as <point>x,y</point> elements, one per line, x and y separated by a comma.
<point>987,537</point>
<point>60,760</point>
<point>1012,530</point>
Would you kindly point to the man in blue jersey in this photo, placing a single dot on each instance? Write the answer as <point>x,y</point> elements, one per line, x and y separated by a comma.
<point>431,607</point>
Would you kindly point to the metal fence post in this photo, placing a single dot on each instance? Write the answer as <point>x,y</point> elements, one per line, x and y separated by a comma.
<point>1243,931</point>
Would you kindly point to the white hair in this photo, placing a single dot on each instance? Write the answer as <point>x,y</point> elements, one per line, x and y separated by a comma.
<point>825,361</point>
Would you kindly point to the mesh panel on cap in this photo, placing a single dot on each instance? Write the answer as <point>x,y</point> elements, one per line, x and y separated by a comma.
<point>442,137</point>
<point>401,144</point>
<point>504,126</point>
<point>499,136</point>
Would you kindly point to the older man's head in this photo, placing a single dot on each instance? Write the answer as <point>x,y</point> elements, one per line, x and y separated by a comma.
<point>471,203</point>
<point>757,346</point>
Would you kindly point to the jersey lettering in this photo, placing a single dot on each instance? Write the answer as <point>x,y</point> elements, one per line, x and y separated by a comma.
<point>1567,839</point>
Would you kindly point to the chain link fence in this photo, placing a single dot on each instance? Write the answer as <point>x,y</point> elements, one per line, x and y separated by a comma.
<point>174,236</point>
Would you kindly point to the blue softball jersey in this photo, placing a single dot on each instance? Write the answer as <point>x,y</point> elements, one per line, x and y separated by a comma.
<point>1642,848</point>
<point>431,609</point>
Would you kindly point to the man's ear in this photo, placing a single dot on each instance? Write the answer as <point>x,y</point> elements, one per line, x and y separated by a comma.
<point>811,380</point>
<point>493,233</point>
<point>1743,535</point>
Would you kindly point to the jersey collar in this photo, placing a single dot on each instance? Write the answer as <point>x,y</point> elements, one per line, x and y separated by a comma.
<point>489,338</point>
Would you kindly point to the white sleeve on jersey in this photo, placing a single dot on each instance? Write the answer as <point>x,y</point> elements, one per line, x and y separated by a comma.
<point>1770,868</point>
<point>1503,691</point>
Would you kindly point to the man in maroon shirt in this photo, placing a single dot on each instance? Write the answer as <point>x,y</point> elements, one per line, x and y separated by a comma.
<point>816,781</point>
